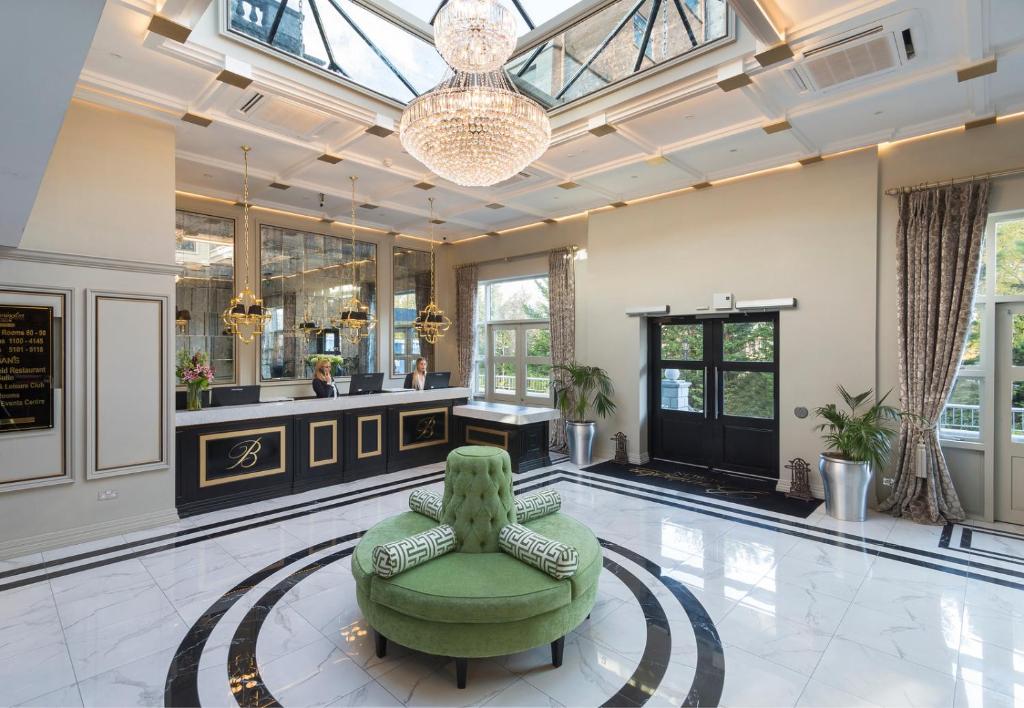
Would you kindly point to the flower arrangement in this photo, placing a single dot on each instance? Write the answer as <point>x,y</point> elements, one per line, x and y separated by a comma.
<point>195,372</point>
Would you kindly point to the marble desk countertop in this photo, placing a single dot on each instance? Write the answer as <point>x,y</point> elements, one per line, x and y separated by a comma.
<point>506,413</point>
<point>309,406</point>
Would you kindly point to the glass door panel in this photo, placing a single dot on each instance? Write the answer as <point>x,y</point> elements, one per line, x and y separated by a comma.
<point>748,394</point>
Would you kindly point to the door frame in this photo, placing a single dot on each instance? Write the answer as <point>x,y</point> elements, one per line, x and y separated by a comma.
<point>714,380</point>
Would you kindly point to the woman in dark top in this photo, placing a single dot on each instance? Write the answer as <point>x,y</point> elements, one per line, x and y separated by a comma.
<point>323,382</point>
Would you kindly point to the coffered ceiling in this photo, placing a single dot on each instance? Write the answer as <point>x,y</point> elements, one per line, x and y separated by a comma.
<point>671,127</point>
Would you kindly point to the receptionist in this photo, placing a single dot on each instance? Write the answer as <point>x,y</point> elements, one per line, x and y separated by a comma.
<point>419,375</point>
<point>323,382</point>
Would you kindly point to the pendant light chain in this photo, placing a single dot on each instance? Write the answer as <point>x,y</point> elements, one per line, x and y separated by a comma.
<point>431,323</point>
<point>245,317</point>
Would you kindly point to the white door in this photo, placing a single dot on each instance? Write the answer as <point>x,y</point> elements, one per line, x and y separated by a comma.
<point>1009,377</point>
<point>519,363</point>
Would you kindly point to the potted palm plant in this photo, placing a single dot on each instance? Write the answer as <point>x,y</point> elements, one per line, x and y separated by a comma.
<point>578,389</point>
<point>858,443</point>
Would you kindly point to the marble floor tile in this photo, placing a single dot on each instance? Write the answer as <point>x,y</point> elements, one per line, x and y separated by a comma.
<point>371,694</point>
<point>318,674</point>
<point>20,562</point>
<point>797,603</point>
<point>969,695</point>
<point>754,681</point>
<point>85,547</point>
<point>820,695</point>
<point>879,677</point>
<point>931,639</point>
<point>28,619</point>
<point>842,559</point>
<point>521,693</point>
<point>67,697</point>
<point>95,650</point>
<point>35,672</point>
<point>793,645</point>
<point>997,598</point>
<point>996,668</point>
<point>841,583</point>
<point>93,613</point>
<point>589,674</point>
<point>486,679</point>
<point>136,683</point>
<point>624,631</point>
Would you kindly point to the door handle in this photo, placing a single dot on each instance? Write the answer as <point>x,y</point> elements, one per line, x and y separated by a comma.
<point>715,397</point>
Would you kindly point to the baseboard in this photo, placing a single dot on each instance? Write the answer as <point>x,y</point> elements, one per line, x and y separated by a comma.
<point>67,537</point>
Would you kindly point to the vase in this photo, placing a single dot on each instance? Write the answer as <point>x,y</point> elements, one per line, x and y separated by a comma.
<point>847,484</point>
<point>580,437</point>
<point>195,398</point>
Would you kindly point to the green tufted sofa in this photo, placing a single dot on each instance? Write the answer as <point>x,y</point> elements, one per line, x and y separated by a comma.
<point>476,602</point>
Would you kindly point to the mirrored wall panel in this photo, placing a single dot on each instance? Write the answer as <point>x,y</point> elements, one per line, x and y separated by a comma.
<point>411,273</point>
<point>305,279</point>
<point>205,249</point>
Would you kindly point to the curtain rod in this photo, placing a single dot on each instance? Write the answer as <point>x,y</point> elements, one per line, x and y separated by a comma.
<point>894,191</point>
<point>519,257</point>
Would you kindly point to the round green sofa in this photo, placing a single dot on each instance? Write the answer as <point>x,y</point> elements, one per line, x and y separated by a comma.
<point>476,601</point>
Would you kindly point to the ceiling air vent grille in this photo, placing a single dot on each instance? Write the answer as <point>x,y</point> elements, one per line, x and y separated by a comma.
<point>284,115</point>
<point>863,53</point>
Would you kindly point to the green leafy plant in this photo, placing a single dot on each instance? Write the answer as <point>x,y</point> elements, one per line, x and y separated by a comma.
<point>580,388</point>
<point>859,437</point>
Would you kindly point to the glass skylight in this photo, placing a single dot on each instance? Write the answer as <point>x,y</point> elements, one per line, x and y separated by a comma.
<point>624,38</point>
<point>347,39</point>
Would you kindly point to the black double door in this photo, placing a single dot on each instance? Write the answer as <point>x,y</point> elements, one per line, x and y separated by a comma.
<point>715,392</point>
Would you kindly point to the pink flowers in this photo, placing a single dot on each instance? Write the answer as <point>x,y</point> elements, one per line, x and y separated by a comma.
<point>194,370</point>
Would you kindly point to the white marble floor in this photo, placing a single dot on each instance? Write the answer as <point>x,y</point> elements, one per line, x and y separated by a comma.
<point>808,612</point>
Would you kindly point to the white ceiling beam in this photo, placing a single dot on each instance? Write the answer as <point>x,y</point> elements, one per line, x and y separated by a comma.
<point>763,18</point>
<point>976,20</point>
<point>184,12</point>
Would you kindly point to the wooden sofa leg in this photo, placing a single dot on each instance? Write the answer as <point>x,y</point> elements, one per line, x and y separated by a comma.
<point>382,644</point>
<point>461,668</point>
<point>557,649</point>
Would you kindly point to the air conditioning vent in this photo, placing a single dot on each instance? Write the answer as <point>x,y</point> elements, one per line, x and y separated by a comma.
<point>859,54</point>
<point>281,114</point>
<point>514,179</point>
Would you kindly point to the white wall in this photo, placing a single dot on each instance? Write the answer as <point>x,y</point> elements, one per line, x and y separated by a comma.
<point>108,198</point>
<point>807,233</point>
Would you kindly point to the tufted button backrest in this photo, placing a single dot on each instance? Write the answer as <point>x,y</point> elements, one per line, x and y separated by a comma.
<point>478,499</point>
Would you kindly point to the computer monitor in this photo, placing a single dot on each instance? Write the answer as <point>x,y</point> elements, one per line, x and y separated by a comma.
<point>235,395</point>
<point>437,379</point>
<point>365,383</point>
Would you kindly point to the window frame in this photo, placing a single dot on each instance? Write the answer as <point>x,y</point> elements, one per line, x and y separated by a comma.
<point>373,362</point>
<point>235,361</point>
<point>987,301</point>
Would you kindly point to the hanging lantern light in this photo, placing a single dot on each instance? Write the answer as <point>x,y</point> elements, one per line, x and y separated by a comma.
<point>431,323</point>
<point>245,316</point>
<point>182,319</point>
<point>355,321</point>
<point>306,326</point>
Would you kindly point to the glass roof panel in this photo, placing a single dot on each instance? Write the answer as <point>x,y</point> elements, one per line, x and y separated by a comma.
<point>626,37</point>
<point>528,13</point>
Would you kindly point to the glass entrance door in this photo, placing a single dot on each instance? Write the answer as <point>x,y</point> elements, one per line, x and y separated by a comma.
<point>1009,422</point>
<point>714,393</point>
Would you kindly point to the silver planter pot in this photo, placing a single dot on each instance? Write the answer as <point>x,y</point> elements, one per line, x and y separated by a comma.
<point>580,437</point>
<point>846,487</point>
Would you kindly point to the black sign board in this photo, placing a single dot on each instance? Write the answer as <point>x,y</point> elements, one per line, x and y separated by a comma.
<point>26,367</point>
<point>245,454</point>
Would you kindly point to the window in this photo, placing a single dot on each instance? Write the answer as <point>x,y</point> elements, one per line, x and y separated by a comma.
<point>305,279</point>
<point>513,348</point>
<point>1000,283</point>
<point>411,281</point>
<point>205,249</point>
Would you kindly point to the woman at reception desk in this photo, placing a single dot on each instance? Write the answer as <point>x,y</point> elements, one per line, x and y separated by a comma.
<point>417,380</point>
<point>323,380</point>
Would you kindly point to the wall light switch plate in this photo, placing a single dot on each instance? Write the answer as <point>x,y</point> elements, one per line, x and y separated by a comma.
<point>107,495</point>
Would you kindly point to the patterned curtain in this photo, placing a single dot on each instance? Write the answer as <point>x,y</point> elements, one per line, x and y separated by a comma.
<point>465,321</point>
<point>562,297</point>
<point>938,253</point>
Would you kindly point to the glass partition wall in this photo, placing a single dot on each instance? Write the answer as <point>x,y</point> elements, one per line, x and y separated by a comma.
<point>411,287</point>
<point>205,249</point>
<point>305,279</point>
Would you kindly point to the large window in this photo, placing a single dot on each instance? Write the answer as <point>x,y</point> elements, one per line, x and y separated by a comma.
<point>1000,282</point>
<point>205,250</point>
<point>305,279</point>
<point>411,281</point>
<point>513,349</point>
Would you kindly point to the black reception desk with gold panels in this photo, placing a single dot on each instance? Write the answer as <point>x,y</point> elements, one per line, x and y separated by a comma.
<point>239,454</point>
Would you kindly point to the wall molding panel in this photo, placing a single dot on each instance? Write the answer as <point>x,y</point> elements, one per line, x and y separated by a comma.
<point>81,261</point>
<point>128,357</point>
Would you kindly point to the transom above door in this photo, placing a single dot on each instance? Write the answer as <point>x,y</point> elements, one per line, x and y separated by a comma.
<point>714,392</point>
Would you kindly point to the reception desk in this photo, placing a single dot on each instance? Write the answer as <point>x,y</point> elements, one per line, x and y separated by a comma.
<point>522,431</point>
<point>239,454</point>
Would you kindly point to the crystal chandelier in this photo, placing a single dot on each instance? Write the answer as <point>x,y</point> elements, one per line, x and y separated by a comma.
<point>245,317</point>
<point>354,320</point>
<point>475,36</point>
<point>431,323</point>
<point>474,129</point>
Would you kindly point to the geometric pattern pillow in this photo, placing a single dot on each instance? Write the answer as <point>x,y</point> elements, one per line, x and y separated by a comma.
<point>426,502</point>
<point>534,506</point>
<point>557,559</point>
<point>390,559</point>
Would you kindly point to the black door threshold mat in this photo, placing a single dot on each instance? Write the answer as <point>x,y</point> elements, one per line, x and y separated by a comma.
<point>760,494</point>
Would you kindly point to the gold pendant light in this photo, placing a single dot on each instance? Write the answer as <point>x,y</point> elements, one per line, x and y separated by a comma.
<point>306,327</point>
<point>355,321</point>
<point>431,323</point>
<point>245,316</point>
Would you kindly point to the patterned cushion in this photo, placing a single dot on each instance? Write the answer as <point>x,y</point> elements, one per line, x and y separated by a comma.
<point>426,502</point>
<point>552,557</point>
<point>534,506</point>
<point>390,559</point>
